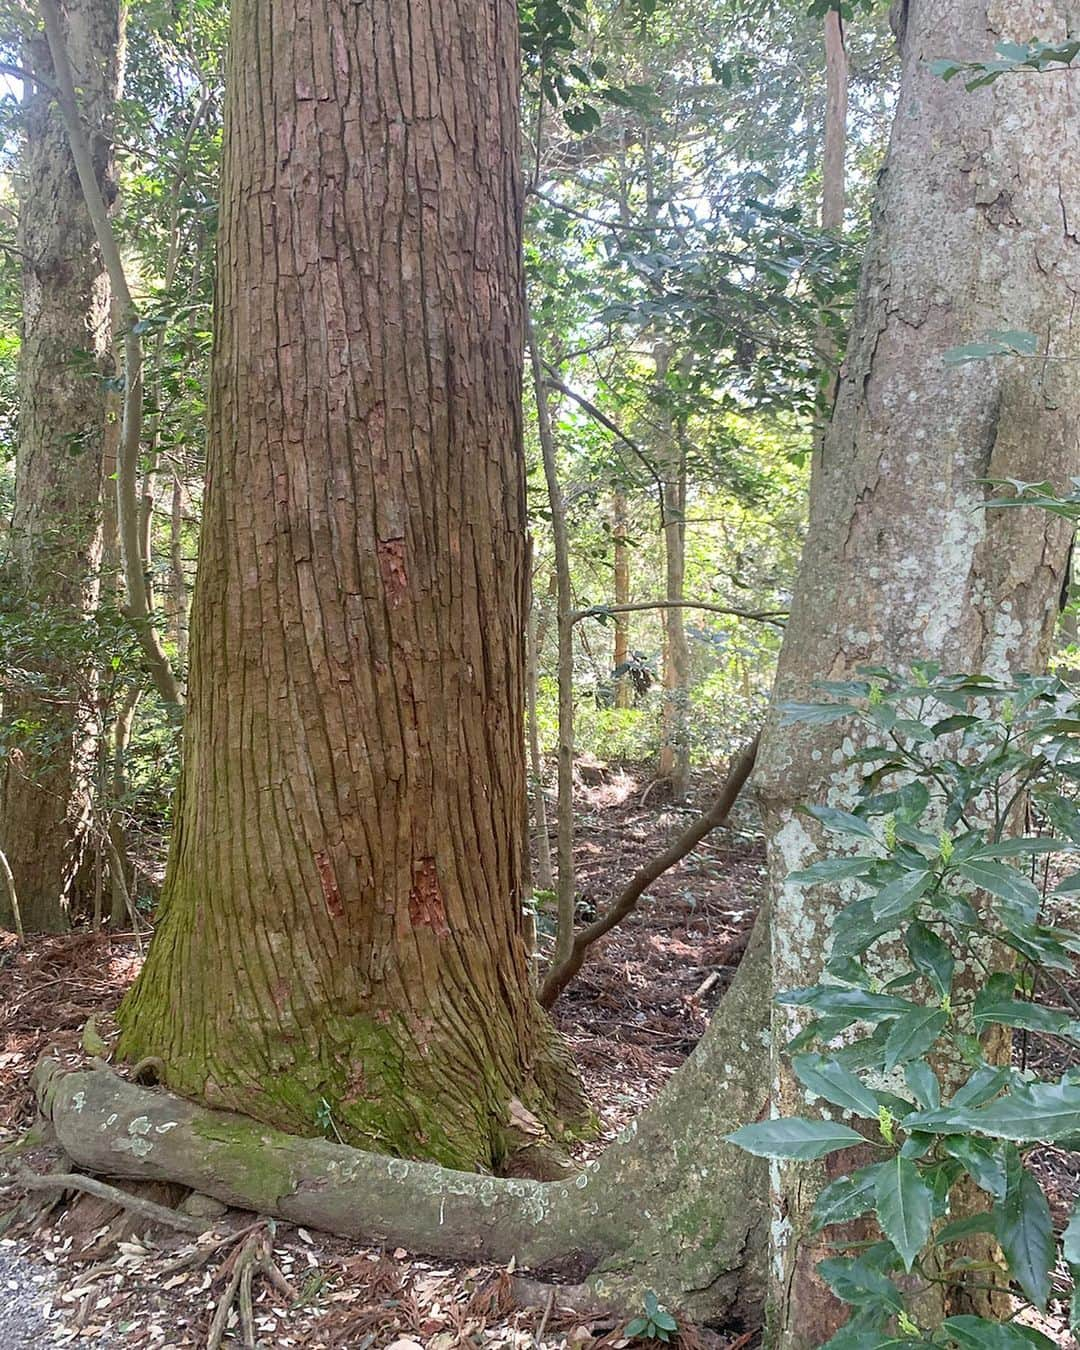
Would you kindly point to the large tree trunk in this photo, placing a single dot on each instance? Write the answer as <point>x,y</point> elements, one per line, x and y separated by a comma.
<point>341,942</point>
<point>668,1207</point>
<point>975,230</point>
<point>56,525</point>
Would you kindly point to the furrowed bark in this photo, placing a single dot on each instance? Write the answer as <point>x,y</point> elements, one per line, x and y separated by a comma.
<point>974,231</point>
<point>668,1207</point>
<point>341,944</point>
<point>56,528</point>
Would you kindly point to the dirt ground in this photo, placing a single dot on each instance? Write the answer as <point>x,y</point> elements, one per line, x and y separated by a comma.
<point>90,1276</point>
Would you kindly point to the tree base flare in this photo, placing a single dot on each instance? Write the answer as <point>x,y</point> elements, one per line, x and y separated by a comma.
<point>669,1207</point>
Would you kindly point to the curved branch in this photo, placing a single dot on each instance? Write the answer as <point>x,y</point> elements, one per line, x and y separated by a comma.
<point>562,972</point>
<point>773,616</point>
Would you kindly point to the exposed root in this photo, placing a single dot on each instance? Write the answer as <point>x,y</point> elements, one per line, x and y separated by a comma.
<point>24,1179</point>
<point>252,1254</point>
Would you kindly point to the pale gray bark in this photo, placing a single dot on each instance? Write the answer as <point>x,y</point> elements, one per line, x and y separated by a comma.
<point>974,230</point>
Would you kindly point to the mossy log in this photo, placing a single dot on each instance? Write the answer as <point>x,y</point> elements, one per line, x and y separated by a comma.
<point>669,1206</point>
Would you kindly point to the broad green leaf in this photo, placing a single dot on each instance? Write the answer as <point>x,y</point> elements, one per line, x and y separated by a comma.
<point>832,869</point>
<point>1037,1112</point>
<point>904,1206</point>
<point>999,879</point>
<point>1016,848</point>
<point>855,1281</point>
<point>835,1084</point>
<point>1025,1231</point>
<point>1013,1012</point>
<point>978,1333</point>
<point>795,1137</point>
<point>982,1158</point>
<point>931,956</point>
<point>923,1082</point>
<point>961,1229</point>
<point>841,822</point>
<point>986,1082</point>
<point>913,1034</point>
<point>844,1199</point>
<point>858,1004</point>
<point>898,896</point>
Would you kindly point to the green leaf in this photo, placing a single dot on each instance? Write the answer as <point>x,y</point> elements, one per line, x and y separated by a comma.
<point>832,869</point>
<point>1070,1239</point>
<point>913,1034</point>
<point>961,1229</point>
<point>841,822</point>
<point>1023,1227</point>
<point>794,1137</point>
<point>986,1082</point>
<point>931,956</point>
<point>835,1084</point>
<point>904,1206</point>
<point>923,1082</point>
<point>1036,1112</point>
<point>1005,882</point>
<point>855,1281</point>
<point>979,1333</point>
<point>1013,1012</point>
<point>637,1327</point>
<point>1016,848</point>
<point>982,1158</point>
<point>898,896</point>
<point>856,1004</point>
<point>844,1199</point>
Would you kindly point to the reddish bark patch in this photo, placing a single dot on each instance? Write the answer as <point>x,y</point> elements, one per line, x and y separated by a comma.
<point>392,566</point>
<point>335,906</point>
<point>426,907</point>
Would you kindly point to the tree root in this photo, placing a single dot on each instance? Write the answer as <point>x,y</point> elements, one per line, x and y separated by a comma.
<point>252,1255</point>
<point>669,1207</point>
<point>24,1179</point>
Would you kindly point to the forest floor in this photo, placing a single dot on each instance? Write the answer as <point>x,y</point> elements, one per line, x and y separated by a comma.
<point>635,1012</point>
<point>88,1276</point>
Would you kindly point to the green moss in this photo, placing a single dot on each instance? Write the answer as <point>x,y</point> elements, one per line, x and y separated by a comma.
<point>247,1160</point>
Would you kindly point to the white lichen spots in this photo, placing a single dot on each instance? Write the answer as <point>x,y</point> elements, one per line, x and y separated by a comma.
<point>111,1119</point>
<point>166,1127</point>
<point>397,1169</point>
<point>780,1229</point>
<point>581,1180</point>
<point>627,1134</point>
<point>78,1101</point>
<point>140,1125</point>
<point>134,1144</point>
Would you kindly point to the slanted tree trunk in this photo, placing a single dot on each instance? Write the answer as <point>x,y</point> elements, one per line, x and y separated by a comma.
<point>341,943</point>
<point>975,230</point>
<point>56,525</point>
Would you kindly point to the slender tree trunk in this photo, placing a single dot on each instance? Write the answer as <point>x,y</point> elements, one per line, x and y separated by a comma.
<point>674,765</point>
<point>836,111</point>
<point>545,875</point>
<point>341,942</point>
<point>178,591</point>
<point>975,230</point>
<point>621,650</point>
<point>46,782</point>
<point>564,627</point>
